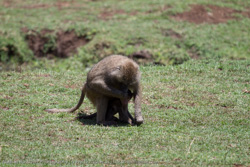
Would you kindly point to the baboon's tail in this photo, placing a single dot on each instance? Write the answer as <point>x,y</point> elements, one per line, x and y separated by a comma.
<point>71,110</point>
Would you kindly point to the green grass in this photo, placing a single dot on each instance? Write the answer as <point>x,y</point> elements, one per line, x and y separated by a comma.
<point>143,21</point>
<point>197,113</point>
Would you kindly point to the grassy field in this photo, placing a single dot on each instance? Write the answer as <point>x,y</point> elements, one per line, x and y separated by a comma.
<point>195,102</point>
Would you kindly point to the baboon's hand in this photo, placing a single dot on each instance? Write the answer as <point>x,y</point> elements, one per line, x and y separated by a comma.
<point>127,95</point>
<point>130,94</point>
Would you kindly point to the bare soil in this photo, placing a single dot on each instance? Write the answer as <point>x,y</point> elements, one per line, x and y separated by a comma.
<point>142,57</point>
<point>142,54</point>
<point>36,6</point>
<point>246,13</point>
<point>210,14</point>
<point>171,33</point>
<point>108,14</point>
<point>60,5</point>
<point>63,45</point>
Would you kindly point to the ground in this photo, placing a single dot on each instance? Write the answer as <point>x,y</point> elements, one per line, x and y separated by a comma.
<point>194,58</point>
<point>81,29</point>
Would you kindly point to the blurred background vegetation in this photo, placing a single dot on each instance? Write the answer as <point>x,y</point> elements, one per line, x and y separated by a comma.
<point>75,34</point>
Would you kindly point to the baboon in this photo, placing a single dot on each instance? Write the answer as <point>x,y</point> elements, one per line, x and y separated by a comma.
<point>111,78</point>
<point>114,107</point>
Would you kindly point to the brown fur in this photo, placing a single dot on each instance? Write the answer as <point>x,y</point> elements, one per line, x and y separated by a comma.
<point>111,78</point>
<point>114,107</point>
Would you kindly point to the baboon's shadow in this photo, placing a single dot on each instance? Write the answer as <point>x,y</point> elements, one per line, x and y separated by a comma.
<point>92,121</point>
<point>80,118</point>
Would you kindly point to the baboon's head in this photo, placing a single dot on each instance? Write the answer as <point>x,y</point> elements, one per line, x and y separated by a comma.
<point>127,73</point>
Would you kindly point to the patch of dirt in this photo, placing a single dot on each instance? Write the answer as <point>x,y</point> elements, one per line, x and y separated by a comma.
<point>246,91</point>
<point>207,14</point>
<point>238,165</point>
<point>36,6</point>
<point>171,33</point>
<point>64,44</point>
<point>63,4</point>
<point>6,3</point>
<point>5,108</point>
<point>142,56</point>
<point>246,13</point>
<point>108,14</point>
<point>59,4</point>
<point>68,42</point>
